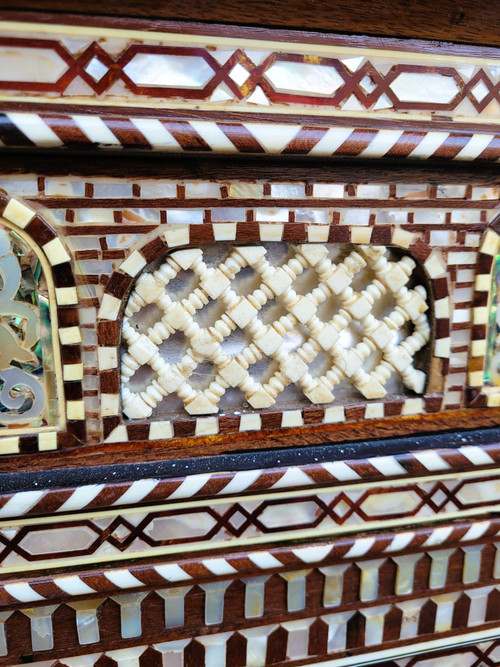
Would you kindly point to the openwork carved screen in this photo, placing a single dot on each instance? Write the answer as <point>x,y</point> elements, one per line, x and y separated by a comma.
<point>28,382</point>
<point>241,328</point>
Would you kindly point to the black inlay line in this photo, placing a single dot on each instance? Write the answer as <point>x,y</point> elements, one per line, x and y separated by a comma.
<point>66,478</point>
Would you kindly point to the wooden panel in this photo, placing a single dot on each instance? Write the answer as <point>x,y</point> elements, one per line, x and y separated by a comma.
<point>471,21</point>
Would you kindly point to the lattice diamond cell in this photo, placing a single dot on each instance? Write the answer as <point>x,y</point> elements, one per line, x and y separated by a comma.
<point>256,326</point>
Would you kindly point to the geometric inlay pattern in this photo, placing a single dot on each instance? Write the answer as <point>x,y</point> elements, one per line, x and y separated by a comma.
<point>313,317</point>
<point>210,524</point>
<point>361,81</point>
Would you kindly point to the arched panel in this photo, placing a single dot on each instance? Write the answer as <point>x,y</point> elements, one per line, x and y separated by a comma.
<point>29,395</point>
<point>39,335</point>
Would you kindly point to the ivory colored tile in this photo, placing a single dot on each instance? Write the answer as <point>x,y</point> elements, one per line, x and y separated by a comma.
<point>472,240</point>
<point>202,190</point>
<point>485,193</point>
<point>361,234</point>
<point>494,400</point>
<point>318,233</point>
<point>334,414</point>
<point>47,441</point>
<point>478,348</point>
<point>95,216</point>
<point>72,372</point>
<point>462,258</point>
<point>250,422</point>
<point>291,418</point>
<point>465,216</point>
<point>476,378</point>
<point>18,213</point>
<point>328,190</point>
<point>133,264</point>
<point>402,238</point>
<point>9,445</point>
<point>107,358</point>
<point>161,430</point>
<point>480,315</point>
<point>452,397</point>
<point>435,266</point>
<point>70,335</point>
<point>442,348</point>
<point>119,434</point>
<point>272,214</point>
<point>55,251</point>
<point>442,308</point>
<point>110,404</point>
<point>411,191</point>
<point>374,411</point>
<point>271,232</point>
<point>413,406</point>
<point>482,282</point>
<point>66,296</point>
<point>224,231</point>
<point>75,410</point>
<point>207,426</point>
<point>110,307</point>
<point>490,243</point>
<point>177,236</point>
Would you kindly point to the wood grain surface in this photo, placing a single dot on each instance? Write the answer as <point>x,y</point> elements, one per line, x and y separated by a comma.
<point>466,21</point>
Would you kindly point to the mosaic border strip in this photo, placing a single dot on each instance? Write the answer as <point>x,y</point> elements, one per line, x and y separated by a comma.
<point>229,521</point>
<point>232,71</point>
<point>25,218</point>
<point>287,640</point>
<point>138,430</point>
<point>215,484</point>
<point>434,574</point>
<point>120,282</point>
<point>165,573</point>
<point>483,644</point>
<point>176,135</point>
<point>236,80</point>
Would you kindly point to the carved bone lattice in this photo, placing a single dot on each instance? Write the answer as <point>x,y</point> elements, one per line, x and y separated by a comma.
<point>385,335</point>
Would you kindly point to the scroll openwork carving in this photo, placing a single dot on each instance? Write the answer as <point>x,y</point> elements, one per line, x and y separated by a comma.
<point>24,373</point>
